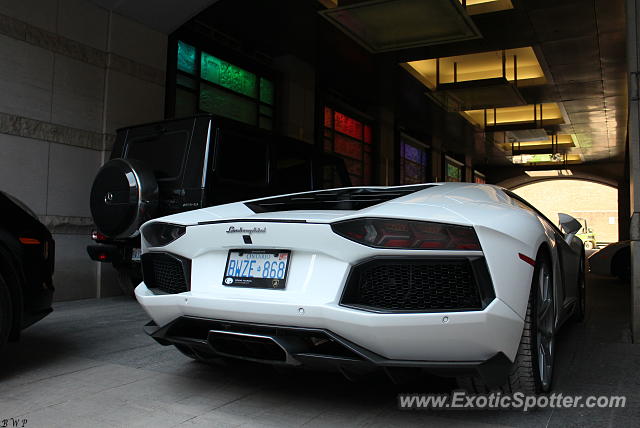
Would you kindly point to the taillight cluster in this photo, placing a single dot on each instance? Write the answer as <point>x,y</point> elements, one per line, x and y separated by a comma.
<point>408,234</point>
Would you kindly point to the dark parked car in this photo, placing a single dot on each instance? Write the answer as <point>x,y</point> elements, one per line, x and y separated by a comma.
<point>26,268</point>
<point>177,165</point>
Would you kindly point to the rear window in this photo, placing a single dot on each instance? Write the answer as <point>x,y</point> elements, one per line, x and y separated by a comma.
<point>163,153</point>
<point>242,159</point>
<point>355,198</point>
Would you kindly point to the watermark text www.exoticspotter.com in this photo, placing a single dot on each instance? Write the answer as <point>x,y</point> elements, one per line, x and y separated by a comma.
<point>460,400</point>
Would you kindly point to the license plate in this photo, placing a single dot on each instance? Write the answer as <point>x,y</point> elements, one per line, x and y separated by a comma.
<point>135,254</point>
<point>257,268</point>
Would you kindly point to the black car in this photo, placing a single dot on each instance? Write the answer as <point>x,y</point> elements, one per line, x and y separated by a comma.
<point>177,165</point>
<point>26,268</point>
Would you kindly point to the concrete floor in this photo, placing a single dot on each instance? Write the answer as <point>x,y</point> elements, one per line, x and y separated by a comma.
<point>90,365</point>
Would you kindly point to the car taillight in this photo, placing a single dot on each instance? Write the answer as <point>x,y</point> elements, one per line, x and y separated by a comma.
<point>408,234</point>
<point>97,236</point>
<point>160,234</point>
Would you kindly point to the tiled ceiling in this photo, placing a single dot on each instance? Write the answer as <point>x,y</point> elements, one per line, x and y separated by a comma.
<point>583,45</point>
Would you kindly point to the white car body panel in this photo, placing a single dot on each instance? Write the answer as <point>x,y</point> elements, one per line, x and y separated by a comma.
<point>321,261</point>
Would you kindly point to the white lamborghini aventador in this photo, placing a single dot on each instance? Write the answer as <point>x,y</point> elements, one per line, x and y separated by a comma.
<point>458,279</point>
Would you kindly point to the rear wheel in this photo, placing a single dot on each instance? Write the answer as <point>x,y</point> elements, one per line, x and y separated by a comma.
<point>532,370</point>
<point>588,245</point>
<point>6,313</point>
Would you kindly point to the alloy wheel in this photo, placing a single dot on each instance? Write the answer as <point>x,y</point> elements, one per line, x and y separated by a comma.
<point>545,325</point>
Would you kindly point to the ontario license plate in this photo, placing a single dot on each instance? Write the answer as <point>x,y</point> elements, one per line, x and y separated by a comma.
<point>257,268</point>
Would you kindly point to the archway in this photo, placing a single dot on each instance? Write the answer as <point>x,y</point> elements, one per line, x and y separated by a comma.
<point>593,203</point>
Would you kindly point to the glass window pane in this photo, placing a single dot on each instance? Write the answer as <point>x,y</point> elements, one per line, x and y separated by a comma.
<point>186,58</point>
<point>266,91</point>
<point>228,75</point>
<point>412,153</point>
<point>328,117</point>
<point>217,101</point>
<point>367,134</point>
<point>186,81</point>
<point>163,153</point>
<point>348,125</point>
<point>186,103</point>
<point>348,147</point>
<point>454,172</point>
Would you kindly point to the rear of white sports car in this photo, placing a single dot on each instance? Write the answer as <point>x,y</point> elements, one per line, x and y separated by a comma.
<point>385,278</point>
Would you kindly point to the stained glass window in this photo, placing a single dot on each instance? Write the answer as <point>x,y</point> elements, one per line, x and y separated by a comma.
<point>413,161</point>
<point>266,91</point>
<point>479,178</point>
<point>217,101</point>
<point>454,170</point>
<point>206,83</point>
<point>186,58</point>
<point>228,75</point>
<point>351,140</point>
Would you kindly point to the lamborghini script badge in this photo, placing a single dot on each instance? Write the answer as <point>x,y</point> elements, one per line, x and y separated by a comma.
<point>233,229</point>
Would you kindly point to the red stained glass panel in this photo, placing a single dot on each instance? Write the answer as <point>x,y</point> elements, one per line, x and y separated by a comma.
<point>328,117</point>
<point>348,147</point>
<point>348,126</point>
<point>367,134</point>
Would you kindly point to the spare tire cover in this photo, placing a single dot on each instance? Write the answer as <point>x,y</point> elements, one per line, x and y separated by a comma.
<point>124,195</point>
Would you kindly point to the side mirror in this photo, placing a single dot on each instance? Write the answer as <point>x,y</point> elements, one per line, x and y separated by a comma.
<point>568,223</point>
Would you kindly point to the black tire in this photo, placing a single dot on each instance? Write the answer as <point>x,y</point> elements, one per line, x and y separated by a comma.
<point>123,196</point>
<point>580,311</point>
<point>6,313</point>
<point>524,375</point>
<point>128,279</point>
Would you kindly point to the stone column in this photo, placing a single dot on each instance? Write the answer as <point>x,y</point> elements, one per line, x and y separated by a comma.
<point>633,58</point>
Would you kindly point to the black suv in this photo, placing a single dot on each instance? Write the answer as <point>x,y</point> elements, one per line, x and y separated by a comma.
<point>177,165</point>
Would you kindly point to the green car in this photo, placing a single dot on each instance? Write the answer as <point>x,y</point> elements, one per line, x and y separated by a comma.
<point>586,234</point>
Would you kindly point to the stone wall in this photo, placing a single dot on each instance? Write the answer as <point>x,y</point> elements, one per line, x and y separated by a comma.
<point>71,73</point>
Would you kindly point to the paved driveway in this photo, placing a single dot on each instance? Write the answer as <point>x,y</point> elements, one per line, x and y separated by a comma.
<point>90,365</point>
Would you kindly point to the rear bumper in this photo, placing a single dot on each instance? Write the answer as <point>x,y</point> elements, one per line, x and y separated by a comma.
<point>311,347</point>
<point>442,336</point>
<point>106,253</point>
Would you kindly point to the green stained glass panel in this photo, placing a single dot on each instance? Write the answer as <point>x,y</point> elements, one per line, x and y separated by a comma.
<point>228,75</point>
<point>216,101</point>
<point>454,173</point>
<point>186,58</point>
<point>266,91</point>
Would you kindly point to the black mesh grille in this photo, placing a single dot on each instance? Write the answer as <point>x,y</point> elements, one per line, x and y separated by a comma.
<point>166,272</point>
<point>414,286</point>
